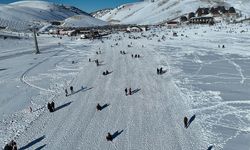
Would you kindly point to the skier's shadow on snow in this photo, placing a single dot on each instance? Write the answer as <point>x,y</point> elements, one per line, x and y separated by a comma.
<point>135,91</point>
<point>40,147</point>
<point>32,143</point>
<point>62,106</point>
<point>163,72</point>
<point>82,89</point>
<point>191,120</point>
<point>117,133</point>
<point>210,147</point>
<point>104,106</point>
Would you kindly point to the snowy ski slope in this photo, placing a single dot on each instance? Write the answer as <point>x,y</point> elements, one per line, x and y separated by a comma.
<point>148,12</point>
<point>203,81</point>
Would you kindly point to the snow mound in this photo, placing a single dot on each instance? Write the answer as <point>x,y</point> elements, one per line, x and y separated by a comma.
<point>83,21</point>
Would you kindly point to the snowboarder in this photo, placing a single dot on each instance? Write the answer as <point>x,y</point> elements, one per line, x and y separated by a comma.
<point>71,89</point>
<point>98,107</point>
<point>130,92</point>
<point>109,137</point>
<point>66,92</point>
<point>11,146</point>
<point>186,122</point>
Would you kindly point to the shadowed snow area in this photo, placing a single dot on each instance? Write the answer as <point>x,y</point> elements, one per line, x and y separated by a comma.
<point>201,80</point>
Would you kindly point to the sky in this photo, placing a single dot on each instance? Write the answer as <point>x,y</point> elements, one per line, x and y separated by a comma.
<point>85,5</point>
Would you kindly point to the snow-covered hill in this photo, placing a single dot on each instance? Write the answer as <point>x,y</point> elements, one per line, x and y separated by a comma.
<point>21,15</point>
<point>100,13</point>
<point>152,12</point>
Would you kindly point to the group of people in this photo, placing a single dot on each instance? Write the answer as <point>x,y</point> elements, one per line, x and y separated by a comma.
<point>109,137</point>
<point>11,145</point>
<point>159,71</point>
<point>98,52</point>
<point>106,72</point>
<point>51,106</point>
<point>135,56</point>
<point>97,62</point>
<point>122,52</point>
<point>71,91</point>
<point>223,46</point>
<point>128,91</point>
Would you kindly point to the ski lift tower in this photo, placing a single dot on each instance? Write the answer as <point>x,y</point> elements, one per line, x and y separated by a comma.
<point>33,29</point>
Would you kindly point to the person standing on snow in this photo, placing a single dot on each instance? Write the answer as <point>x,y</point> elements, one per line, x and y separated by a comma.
<point>126,91</point>
<point>66,92</point>
<point>130,92</point>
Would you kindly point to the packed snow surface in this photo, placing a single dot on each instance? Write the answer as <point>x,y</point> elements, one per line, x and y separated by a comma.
<point>203,81</point>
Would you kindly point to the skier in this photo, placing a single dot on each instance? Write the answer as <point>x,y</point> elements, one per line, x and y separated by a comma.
<point>11,146</point>
<point>66,92</point>
<point>130,92</point>
<point>104,73</point>
<point>71,89</point>
<point>109,137</point>
<point>135,55</point>
<point>186,122</point>
<point>158,71</point>
<point>98,107</point>
<point>126,91</point>
<point>89,60</point>
<point>132,56</point>
<point>223,46</point>
<point>138,56</point>
<point>107,72</point>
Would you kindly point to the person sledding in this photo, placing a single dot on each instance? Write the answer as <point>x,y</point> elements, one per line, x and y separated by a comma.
<point>185,122</point>
<point>98,107</point>
<point>11,145</point>
<point>109,137</point>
